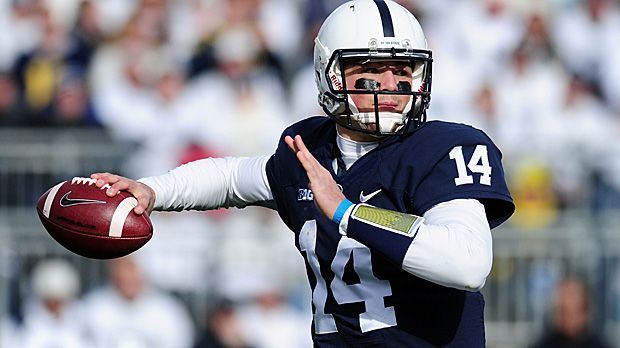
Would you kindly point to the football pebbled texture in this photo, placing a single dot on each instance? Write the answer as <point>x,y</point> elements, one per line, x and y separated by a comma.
<point>82,218</point>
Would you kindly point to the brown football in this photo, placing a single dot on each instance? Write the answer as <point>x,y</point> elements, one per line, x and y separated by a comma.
<point>82,218</point>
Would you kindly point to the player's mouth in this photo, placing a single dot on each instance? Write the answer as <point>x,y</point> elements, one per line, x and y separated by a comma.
<point>387,106</point>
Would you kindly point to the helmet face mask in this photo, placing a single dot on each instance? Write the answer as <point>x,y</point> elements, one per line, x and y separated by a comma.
<point>341,45</point>
<point>375,121</point>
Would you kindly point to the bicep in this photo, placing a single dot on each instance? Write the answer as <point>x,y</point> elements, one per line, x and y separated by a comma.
<point>249,181</point>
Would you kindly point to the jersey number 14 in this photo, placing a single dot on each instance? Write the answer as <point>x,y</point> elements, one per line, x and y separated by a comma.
<point>370,289</point>
<point>478,163</point>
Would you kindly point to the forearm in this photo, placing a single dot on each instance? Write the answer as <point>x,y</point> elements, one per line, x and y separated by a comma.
<point>451,247</point>
<point>212,183</point>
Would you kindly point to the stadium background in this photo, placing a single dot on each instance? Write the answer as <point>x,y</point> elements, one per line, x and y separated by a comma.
<point>139,86</point>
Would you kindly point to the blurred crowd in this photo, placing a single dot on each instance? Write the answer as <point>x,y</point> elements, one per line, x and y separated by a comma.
<point>127,311</point>
<point>189,78</point>
<point>181,80</point>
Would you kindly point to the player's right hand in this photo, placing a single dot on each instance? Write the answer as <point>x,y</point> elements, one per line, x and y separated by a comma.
<point>143,193</point>
<point>327,194</point>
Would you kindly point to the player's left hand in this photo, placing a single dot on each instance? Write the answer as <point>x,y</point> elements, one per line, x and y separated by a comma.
<point>327,194</point>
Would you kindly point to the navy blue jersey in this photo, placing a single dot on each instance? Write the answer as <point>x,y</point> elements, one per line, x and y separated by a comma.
<point>361,296</point>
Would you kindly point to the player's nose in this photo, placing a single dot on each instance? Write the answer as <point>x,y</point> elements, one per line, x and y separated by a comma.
<point>388,81</point>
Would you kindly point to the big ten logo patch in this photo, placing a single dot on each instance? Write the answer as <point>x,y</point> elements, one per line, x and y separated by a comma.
<point>304,195</point>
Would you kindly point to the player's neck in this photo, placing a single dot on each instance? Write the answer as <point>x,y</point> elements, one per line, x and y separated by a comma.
<point>351,150</point>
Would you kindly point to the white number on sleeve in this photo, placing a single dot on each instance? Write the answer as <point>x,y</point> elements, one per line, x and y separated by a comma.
<point>479,163</point>
<point>369,290</point>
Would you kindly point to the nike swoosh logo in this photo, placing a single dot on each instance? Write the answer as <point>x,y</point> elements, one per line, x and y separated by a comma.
<point>368,196</point>
<point>65,201</point>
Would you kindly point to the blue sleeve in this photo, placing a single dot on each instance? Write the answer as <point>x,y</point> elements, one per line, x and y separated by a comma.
<point>275,178</point>
<point>464,164</point>
<point>391,245</point>
<point>449,162</point>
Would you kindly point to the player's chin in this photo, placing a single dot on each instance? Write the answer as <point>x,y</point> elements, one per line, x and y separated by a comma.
<point>369,134</point>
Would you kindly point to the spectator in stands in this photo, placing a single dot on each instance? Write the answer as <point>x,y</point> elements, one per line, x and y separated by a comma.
<point>471,43</point>
<point>536,40</point>
<point>482,111</point>
<point>20,30</point>
<point>590,27</point>
<point>9,101</point>
<point>269,321</point>
<point>85,37</point>
<point>71,104</point>
<point>223,328</point>
<point>570,325</point>
<point>274,24</point>
<point>302,80</point>
<point>38,69</point>
<point>129,313</point>
<point>530,93</point>
<point>583,130</point>
<point>53,317</point>
<point>251,102</point>
<point>123,76</point>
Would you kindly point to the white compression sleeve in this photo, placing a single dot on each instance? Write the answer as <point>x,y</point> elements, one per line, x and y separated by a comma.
<point>212,183</point>
<point>453,247</point>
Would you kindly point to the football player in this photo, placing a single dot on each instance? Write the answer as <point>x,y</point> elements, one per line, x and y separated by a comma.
<point>391,213</point>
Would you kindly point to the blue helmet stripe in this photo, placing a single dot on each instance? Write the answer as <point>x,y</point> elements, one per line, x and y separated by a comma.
<point>386,18</point>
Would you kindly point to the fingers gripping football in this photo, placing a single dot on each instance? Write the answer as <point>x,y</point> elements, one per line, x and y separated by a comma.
<point>144,194</point>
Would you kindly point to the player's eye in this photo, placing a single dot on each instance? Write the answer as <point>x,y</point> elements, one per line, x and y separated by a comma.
<point>370,70</point>
<point>401,72</point>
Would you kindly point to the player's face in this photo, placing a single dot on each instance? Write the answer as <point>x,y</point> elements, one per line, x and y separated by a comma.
<point>384,76</point>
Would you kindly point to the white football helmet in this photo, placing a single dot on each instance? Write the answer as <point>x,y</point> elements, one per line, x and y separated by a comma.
<point>366,31</point>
